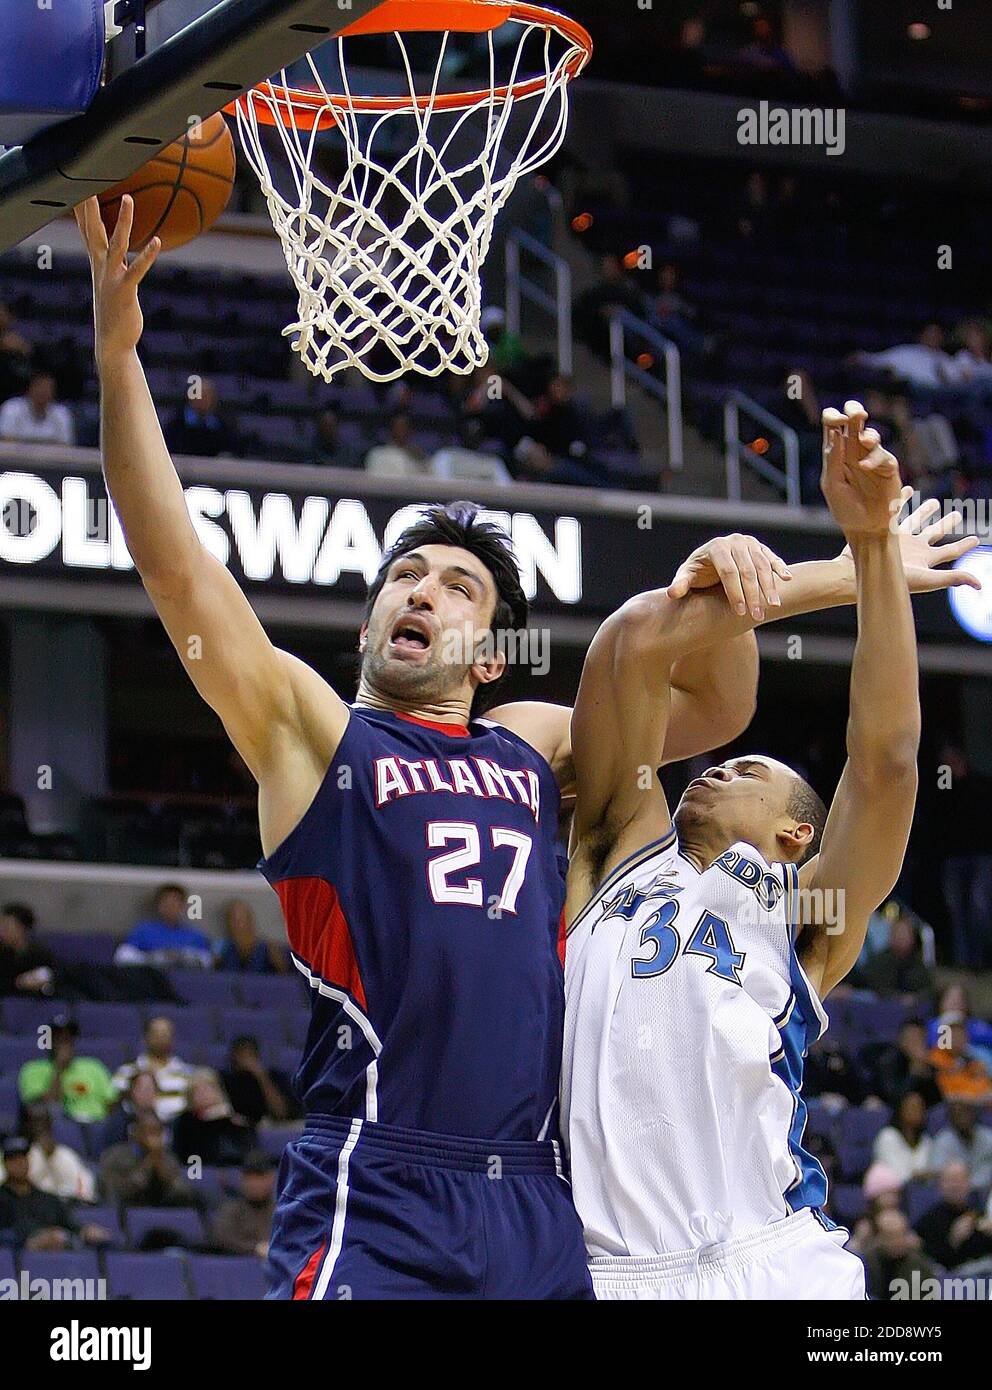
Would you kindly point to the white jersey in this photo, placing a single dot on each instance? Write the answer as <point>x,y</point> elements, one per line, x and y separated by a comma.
<point>687,1018</point>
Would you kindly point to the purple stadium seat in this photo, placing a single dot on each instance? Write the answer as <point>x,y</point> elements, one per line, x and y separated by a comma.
<point>91,948</point>
<point>860,1126</point>
<point>297,1022</point>
<point>112,1052</point>
<point>287,1059</point>
<point>14,1052</point>
<point>820,1119</point>
<point>184,1221</point>
<point>24,1016</point>
<point>9,1097</point>
<point>854,1158</point>
<point>273,991</point>
<point>7,1270</point>
<point>849,1203</point>
<point>110,1219</point>
<point>227,1277</point>
<point>119,1021</point>
<point>213,1186</point>
<point>68,1132</point>
<point>61,1264</point>
<point>266,1025</point>
<point>208,987</point>
<point>146,1276</point>
<point>214,1055</point>
<point>936,1119</point>
<point>273,1141</point>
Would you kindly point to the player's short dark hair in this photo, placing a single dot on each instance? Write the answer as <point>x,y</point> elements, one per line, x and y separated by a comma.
<point>458,524</point>
<point>807,808</point>
<point>20,913</point>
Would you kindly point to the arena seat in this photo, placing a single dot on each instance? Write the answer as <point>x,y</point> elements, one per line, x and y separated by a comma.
<point>60,1264</point>
<point>185,1222</point>
<point>146,1276</point>
<point>227,1277</point>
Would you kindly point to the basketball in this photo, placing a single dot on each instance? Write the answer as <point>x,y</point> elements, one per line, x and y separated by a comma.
<point>182,191</point>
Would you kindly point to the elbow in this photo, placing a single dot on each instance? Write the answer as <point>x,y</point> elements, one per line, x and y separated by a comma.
<point>891,762</point>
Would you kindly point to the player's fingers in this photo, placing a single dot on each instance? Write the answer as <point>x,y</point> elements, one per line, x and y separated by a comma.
<point>914,521</point>
<point>949,522</point>
<point>679,586</point>
<point>749,580</point>
<point>121,238</point>
<point>767,582</point>
<point>857,418</point>
<point>91,225</point>
<point>952,579</point>
<point>953,550</point>
<point>143,262</point>
<point>880,462</point>
<point>777,563</point>
<point>730,578</point>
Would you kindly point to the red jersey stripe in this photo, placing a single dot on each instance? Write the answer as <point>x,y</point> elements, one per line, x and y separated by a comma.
<point>320,935</point>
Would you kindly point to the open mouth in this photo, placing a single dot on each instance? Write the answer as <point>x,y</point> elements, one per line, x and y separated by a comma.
<point>410,634</point>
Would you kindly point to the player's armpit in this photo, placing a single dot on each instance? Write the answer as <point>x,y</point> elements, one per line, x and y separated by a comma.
<point>860,859</point>
<point>546,728</point>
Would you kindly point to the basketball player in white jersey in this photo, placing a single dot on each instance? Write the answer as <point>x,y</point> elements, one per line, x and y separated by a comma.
<point>699,954</point>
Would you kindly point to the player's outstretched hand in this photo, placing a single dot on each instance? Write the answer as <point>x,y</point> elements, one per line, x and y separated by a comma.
<point>860,479</point>
<point>749,572</point>
<point>924,547</point>
<point>116,311</point>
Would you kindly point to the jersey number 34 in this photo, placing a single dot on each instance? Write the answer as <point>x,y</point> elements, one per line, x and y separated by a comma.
<point>710,938</point>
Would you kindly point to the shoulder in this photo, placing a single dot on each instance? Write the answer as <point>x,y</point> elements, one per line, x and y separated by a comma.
<point>547,728</point>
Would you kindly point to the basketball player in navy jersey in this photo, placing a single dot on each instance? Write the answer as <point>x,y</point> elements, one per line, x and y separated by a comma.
<point>413,847</point>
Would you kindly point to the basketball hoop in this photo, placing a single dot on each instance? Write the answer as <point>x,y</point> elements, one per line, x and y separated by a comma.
<point>387,262</point>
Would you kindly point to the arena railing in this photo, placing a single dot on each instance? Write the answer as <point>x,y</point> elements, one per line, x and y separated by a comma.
<point>624,367</point>
<point>738,452</point>
<point>520,287</point>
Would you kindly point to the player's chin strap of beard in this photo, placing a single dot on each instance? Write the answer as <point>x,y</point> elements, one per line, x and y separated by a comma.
<point>710,1229</point>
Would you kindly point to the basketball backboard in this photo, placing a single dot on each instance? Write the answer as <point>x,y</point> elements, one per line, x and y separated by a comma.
<point>167,63</point>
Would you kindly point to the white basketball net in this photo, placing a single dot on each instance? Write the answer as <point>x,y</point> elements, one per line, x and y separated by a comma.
<point>387,263</point>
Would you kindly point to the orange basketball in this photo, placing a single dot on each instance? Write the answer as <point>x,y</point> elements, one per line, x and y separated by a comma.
<point>182,191</point>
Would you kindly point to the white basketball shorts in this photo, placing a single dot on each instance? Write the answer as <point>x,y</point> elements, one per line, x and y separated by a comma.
<point>795,1259</point>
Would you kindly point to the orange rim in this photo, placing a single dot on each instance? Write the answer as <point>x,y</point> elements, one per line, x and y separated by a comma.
<point>305,110</point>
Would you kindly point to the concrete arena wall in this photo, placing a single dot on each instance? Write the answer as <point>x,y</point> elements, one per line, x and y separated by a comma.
<point>112,897</point>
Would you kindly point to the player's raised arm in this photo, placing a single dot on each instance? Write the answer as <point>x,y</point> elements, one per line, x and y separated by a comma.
<point>266,699</point>
<point>868,825</point>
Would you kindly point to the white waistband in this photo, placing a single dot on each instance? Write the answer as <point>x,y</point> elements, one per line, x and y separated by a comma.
<point>626,1269</point>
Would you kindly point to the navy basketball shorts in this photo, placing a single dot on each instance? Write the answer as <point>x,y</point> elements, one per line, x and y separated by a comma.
<point>371,1211</point>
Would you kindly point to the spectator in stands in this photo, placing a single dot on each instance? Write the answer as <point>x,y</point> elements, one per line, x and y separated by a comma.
<point>954,1232</point>
<point>36,417</point>
<point>924,443</point>
<point>972,363</point>
<point>138,1100</point>
<point>53,1167</point>
<point>678,318</point>
<point>82,1086</point>
<point>905,1147</point>
<point>893,1256</point>
<point>899,970</point>
<point>507,354</point>
<point>960,1074</point>
<point>765,51</point>
<point>243,951</point>
<point>560,424</point>
<point>329,448</point>
<point>956,999</point>
<point>257,1093</point>
<point>923,363</point>
<point>963,804</point>
<point>37,1220</point>
<point>171,1075</point>
<point>166,938</point>
<point>26,968</point>
<point>965,1140</point>
<point>243,1224</point>
<point>903,1065</point>
<point>755,220</point>
<point>209,1129</point>
<point>491,407</point>
<point>201,427</point>
<point>15,355</point>
<point>591,314</point>
<point>142,1172</point>
<point>399,456</point>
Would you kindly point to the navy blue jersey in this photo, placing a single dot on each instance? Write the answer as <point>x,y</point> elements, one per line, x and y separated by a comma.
<point>423,893</point>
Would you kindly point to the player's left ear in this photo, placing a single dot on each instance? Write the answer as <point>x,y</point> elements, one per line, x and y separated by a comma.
<point>363,636</point>
<point>489,663</point>
<point>793,840</point>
